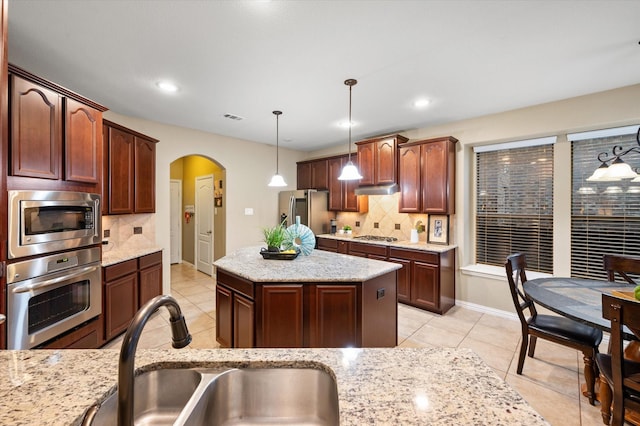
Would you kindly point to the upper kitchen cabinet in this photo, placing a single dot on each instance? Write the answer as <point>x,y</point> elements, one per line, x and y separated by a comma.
<point>55,135</point>
<point>313,174</point>
<point>129,181</point>
<point>342,196</point>
<point>378,160</point>
<point>427,176</point>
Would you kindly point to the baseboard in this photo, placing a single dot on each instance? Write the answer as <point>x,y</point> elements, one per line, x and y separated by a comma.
<point>487,310</point>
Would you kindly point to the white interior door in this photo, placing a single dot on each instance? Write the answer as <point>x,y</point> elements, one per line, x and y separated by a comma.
<point>176,221</point>
<point>204,224</point>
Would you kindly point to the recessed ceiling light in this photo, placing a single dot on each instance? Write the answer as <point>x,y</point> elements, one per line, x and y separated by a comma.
<point>167,86</point>
<point>345,124</point>
<point>421,103</point>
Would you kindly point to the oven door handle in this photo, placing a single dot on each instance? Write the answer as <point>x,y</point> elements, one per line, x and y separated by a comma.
<point>2,318</point>
<point>24,288</point>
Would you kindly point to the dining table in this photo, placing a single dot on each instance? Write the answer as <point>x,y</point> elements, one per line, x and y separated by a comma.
<point>581,300</point>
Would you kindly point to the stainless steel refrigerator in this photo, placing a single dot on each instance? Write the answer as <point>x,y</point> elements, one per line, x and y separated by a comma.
<point>310,205</point>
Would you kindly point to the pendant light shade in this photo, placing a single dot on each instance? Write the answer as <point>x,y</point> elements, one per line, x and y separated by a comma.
<point>350,171</point>
<point>277,180</point>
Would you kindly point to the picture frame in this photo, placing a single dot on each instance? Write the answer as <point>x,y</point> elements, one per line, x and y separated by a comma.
<point>217,202</point>
<point>438,229</point>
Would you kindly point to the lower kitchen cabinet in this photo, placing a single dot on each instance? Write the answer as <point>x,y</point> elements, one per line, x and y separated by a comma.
<point>332,245</point>
<point>85,336</point>
<point>127,287</point>
<point>333,316</point>
<point>280,319</point>
<point>234,319</point>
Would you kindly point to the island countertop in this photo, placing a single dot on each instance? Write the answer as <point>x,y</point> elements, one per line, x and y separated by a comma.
<point>319,266</point>
<point>408,386</point>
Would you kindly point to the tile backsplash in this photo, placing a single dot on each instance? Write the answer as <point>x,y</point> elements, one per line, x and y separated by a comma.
<point>131,231</point>
<point>383,219</point>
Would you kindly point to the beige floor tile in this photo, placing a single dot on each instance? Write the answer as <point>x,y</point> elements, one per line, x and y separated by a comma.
<point>502,323</point>
<point>200,323</point>
<point>451,323</point>
<point>504,338</point>
<point>437,337</point>
<point>204,339</point>
<point>494,356</point>
<point>558,409</point>
<point>549,375</point>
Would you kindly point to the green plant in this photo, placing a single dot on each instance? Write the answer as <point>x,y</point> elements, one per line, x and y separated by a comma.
<point>346,228</point>
<point>277,237</point>
<point>419,227</point>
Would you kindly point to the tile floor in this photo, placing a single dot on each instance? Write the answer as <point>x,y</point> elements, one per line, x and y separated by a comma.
<point>550,382</point>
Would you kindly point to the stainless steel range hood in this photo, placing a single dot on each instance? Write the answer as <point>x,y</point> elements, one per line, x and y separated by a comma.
<point>378,189</point>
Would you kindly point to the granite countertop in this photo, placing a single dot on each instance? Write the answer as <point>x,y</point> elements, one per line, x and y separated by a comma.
<point>112,253</point>
<point>319,266</point>
<point>408,386</point>
<point>438,248</point>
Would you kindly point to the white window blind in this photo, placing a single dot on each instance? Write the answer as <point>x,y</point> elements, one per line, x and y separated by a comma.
<point>514,205</point>
<point>605,216</point>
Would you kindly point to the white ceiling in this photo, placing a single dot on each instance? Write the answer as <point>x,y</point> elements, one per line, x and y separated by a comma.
<point>248,58</point>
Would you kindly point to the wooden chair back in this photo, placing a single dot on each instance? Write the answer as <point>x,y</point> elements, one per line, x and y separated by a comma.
<point>621,265</point>
<point>622,312</point>
<point>516,275</point>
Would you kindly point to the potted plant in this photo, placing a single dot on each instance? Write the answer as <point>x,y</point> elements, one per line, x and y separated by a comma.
<point>276,237</point>
<point>347,229</point>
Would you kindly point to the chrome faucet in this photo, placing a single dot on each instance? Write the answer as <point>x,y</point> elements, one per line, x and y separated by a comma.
<point>180,339</point>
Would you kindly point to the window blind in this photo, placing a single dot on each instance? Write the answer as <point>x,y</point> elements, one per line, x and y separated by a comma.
<point>605,216</point>
<point>514,206</point>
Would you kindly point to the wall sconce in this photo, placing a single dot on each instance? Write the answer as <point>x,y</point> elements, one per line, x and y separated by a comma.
<point>618,169</point>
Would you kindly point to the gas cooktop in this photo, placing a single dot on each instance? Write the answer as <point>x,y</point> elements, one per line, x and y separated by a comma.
<point>375,238</point>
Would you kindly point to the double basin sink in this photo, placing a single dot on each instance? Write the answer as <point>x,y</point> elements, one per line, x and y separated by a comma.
<point>214,396</point>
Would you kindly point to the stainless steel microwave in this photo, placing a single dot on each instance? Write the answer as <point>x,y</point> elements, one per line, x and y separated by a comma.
<point>48,221</point>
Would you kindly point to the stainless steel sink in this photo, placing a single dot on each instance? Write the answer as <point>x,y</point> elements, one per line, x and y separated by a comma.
<point>247,396</point>
<point>283,396</point>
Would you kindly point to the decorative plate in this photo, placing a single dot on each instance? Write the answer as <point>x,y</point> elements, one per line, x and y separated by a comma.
<point>303,238</point>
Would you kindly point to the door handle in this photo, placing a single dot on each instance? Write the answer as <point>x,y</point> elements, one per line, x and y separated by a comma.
<point>2,319</point>
<point>209,232</point>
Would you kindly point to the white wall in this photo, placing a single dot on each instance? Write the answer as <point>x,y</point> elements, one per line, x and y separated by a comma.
<point>249,167</point>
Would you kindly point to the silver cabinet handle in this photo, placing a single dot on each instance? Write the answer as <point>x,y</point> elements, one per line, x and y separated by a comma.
<point>2,319</point>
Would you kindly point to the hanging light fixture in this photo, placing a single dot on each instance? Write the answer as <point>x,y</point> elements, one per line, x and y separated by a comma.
<point>618,169</point>
<point>350,171</point>
<point>277,180</point>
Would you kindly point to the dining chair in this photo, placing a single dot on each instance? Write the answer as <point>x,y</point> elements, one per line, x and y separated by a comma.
<point>621,265</point>
<point>556,329</point>
<point>621,374</point>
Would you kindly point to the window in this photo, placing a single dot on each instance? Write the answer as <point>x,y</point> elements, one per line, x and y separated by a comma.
<point>605,216</point>
<point>514,203</point>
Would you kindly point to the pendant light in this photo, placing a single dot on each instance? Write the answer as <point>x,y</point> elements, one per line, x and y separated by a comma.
<point>277,180</point>
<point>350,171</point>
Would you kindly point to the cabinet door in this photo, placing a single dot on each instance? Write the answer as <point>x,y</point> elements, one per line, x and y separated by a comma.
<point>121,304</point>
<point>435,177</point>
<point>386,161</point>
<point>366,163</point>
<point>121,152</point>
<point>303,176</point>
<point>425,285</point>
<point>409,177</point>
<point>243,322</point>
<point>333,317</point>
<point>224,317</point>
<point>281,317</point>
<point>36,130</point>
<point>350,199</point>
<point>320,175</point>
<point>336,194</point>
<point>145,176</point>
<point>83,143</point>
<point>150,283</point>
<point>404,279</point>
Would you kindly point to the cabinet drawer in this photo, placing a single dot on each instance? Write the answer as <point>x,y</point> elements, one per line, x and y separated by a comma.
<point>421,256</point>
<point>236,283</point>
<point>327,244</point>
<point>120,269</point>
<point>367,248</point>
<point>150,260</point>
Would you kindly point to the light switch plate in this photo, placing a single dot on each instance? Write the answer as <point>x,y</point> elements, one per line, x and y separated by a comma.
<point>248,211</point>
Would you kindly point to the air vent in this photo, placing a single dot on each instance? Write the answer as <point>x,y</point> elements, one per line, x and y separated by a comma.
<point>233,117</point>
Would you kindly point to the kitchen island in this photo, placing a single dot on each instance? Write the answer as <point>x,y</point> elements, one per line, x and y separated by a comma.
<point>321,300</point>
<point>407,386</point>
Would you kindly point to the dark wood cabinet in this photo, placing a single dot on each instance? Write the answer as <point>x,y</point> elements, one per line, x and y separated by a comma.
<point>313,174</point>
<point>85,336</point>
<point>378,160</point>
<point>56,135</point>
<point>130,171</point>
<point>427,176</point>
<point>127,286</point>
<point>332,245</point>
<point>120,282</point>
<point>295,315</point>
<point>342,196</point>
<point>150,277</point>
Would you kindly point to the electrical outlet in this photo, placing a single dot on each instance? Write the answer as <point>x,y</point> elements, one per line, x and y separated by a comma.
<point>376,225</point>
<point>107,233</point>
<point>357,223</point>
<point>137,229</point>
<point>397,226</point>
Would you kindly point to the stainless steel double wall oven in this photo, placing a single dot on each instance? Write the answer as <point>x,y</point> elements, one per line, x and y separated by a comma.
<point>53,275</point>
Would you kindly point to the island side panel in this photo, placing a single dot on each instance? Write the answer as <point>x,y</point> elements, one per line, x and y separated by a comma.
<point>380,311</point>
